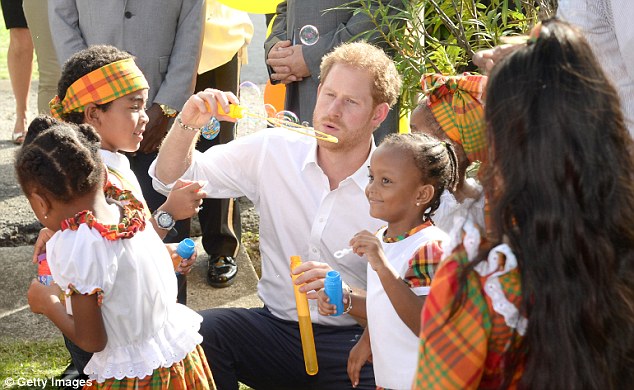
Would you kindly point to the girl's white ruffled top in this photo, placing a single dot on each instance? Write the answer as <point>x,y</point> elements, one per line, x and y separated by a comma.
<point>146,328</point>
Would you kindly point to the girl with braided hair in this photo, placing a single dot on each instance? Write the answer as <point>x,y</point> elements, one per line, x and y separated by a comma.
<point>407,172</point>
<point>114,271</point>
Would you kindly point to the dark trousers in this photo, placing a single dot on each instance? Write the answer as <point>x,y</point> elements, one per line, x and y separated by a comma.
<point>220,218</point>
<point>140,163</point>
<point>260,350</point>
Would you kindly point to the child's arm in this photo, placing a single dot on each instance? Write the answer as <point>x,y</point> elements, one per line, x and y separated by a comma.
<point>353,303</point>
<point>408,305</point>
<point>182,202</point>
<point>84,328</point>
<point>359,355</point>
<point>40,244</point>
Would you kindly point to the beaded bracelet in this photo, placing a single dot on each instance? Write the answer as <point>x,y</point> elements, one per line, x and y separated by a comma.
<point>184,126</point>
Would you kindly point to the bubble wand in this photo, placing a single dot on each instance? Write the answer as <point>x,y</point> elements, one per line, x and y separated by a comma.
<point>238,112</point>
<point>305,325</point>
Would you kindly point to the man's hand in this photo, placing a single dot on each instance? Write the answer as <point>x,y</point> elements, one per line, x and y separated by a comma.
<point>488,58</point>
<point>155,130</point>
<point>287,62</point>
<point>312,277</point>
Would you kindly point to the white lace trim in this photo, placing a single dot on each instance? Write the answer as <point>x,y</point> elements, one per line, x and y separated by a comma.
<point>493,288</point>
<point>471,240</point>
<point>178,337</point>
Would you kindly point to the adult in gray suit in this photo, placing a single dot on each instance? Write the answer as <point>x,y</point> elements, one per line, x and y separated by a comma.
<point>165,36</point>
<point>297,65</point>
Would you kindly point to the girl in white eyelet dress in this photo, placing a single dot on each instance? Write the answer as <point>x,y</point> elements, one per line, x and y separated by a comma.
<point>112,266</point>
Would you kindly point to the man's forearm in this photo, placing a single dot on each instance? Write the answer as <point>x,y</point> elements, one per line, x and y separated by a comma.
<point>175,154</point>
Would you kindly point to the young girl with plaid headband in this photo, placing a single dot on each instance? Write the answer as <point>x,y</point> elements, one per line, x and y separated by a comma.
<point>102,86</point>
<point>408,172</point>
<point>115,271</point>
<point>452,111</point>
<point>549,304</point>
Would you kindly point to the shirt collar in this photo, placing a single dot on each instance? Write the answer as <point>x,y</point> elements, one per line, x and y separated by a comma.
<point>360,177</point>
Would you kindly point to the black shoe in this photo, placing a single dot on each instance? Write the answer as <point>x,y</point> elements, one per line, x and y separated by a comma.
<point>69,376</point>
<point>222,271</point>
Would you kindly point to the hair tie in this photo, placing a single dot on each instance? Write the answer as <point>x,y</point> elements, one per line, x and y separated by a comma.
<point>536,33</point>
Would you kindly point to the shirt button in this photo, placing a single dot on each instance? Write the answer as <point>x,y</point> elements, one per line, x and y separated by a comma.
<point>321,220</point>
<point>127,14</point>
<point>314,250</point>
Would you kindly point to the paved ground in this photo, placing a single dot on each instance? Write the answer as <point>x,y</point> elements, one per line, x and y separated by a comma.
<point>18,229</point>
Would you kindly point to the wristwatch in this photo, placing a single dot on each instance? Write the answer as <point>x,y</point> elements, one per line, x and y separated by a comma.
<point>168,111</point>
<point>164,220</point>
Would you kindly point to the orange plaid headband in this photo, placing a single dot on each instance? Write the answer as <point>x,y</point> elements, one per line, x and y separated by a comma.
<point>456,102</point>
<point>100,86</point>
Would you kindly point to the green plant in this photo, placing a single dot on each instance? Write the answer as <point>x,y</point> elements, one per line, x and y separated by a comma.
<point>442,35</point>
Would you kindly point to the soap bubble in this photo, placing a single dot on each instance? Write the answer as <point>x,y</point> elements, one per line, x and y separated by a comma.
<point>287,116</point>
<point>305,124</point>
<point>309,35</point>
<point>270,110</point>
<point>251,99</point>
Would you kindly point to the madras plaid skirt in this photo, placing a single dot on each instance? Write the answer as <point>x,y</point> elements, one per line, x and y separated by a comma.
<point>190,373</point>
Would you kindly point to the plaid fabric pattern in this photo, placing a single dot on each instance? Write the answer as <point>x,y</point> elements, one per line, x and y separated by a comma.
<point>456,102</point>
<point>192,372</point>
<point>407,234</point>
<point>132,221</point>
<point>467,351</point>
<point>423,265</point>
<point>100,86</point>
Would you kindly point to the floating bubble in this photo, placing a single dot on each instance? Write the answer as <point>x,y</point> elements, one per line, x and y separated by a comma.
<point>251,99</point>
<point>270,110</point>
<point>306,124</point>
<point>249,87</point>
<point>287,116</point>
<point>309,35</point>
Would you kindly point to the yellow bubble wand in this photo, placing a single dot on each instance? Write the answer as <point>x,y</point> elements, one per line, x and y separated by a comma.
<point>238,112</point>
<point>305,324</point>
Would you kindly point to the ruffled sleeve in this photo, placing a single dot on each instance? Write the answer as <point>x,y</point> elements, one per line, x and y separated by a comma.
<point>79,261</point>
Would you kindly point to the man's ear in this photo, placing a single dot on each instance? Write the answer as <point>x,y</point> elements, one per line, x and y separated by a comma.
<point>92,114</point>
<point>379,114</point>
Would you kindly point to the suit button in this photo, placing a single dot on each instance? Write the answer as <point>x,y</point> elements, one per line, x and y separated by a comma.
<point>127,14</point>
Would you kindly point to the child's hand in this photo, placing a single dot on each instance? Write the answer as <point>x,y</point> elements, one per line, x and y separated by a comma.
<point>324,307</point>
<point>366,243</point>
<point>359,355</point>
<point>183,266</point>
<point>200,107</point>
<point>184,199</point>
<point>40,244</point>
<point>41,297</point>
